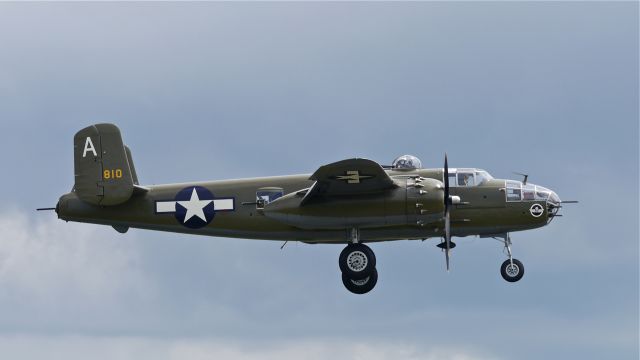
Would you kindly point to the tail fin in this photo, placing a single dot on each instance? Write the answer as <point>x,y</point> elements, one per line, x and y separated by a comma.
<point>104,173</point>
<point>134,176</point>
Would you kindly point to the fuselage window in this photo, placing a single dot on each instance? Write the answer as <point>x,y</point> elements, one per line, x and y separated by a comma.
<point>513,194</point>
<point>266,195</point>
<point>528,193</point>
<point>541,194</point>
<point>514,191</point>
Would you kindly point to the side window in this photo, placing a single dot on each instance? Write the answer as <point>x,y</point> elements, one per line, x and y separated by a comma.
<point>514,191</point>
<point>452,180</point>
<point>266,195</point>
<point>542,193</point>
<point>466,179</point>
<point>513,194</point>
<point>528,193</point>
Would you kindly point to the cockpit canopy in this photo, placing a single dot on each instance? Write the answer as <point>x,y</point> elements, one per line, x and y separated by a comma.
<point>407,162</point>
<point>468,177</point>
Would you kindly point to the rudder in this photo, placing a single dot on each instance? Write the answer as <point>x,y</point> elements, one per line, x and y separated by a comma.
<point>103,174</point>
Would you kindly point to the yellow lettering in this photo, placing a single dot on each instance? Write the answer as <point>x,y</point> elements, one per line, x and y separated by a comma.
<point>112,174</point>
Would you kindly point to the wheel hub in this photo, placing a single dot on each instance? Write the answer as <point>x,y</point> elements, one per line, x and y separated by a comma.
<point>357,261</point>
<point>512,270</point>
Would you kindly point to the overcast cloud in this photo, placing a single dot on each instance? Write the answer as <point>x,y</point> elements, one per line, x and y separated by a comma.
<point>226,90</point>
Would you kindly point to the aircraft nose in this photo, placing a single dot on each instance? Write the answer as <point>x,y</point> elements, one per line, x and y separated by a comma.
<point>544,194</point>
<point>553,205</point>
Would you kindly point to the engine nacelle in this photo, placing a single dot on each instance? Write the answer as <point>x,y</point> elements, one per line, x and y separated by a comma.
<point>417,201</point>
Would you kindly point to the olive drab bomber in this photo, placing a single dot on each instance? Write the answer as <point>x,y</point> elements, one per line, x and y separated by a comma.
<point>354,202</point>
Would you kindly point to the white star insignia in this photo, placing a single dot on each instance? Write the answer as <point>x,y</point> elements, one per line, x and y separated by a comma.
<point>194,207</point>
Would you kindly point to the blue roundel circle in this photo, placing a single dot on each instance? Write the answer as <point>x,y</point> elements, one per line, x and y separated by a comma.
<point>194,207</point>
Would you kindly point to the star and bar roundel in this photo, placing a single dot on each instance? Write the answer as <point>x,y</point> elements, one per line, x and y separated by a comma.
<point>195,206</point>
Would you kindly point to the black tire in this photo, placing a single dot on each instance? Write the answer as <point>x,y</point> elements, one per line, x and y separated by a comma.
<point>362,286</point>
<point>512,273</point>
<point>357,261</point>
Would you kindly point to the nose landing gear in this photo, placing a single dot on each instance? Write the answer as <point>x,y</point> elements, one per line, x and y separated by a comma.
<point>512,269</point>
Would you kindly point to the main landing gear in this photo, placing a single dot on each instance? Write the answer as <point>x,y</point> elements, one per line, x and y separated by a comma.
<point>358,265</point>
<point>512,269</point>
<point>361,286</point>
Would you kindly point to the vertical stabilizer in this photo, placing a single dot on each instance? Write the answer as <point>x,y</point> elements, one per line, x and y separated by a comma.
<point>103,168</point>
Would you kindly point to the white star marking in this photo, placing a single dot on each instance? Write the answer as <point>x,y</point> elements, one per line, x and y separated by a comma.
<point>194,207</point>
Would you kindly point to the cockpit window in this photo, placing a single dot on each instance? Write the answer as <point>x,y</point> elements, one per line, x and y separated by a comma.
<point>452,179</point>
<point>466,179</point>
<point>407,162</point>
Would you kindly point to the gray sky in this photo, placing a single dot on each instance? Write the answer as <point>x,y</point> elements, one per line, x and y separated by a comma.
<point>227,90</point>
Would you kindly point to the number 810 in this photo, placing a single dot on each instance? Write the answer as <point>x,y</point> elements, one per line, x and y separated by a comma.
<point>112,174</point>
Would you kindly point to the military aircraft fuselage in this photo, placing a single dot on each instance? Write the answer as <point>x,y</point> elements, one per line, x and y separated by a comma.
<point>411,210</point>
<point>352,201</point>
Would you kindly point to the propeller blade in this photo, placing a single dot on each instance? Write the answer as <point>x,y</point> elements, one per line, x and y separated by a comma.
<point>447,213</point>
<point>447,236</point>
<point>446,181</point>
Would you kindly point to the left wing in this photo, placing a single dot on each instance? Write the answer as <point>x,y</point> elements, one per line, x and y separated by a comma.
<point>348,177</point>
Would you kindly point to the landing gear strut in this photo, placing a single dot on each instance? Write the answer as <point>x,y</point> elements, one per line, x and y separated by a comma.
<point>512,269</point>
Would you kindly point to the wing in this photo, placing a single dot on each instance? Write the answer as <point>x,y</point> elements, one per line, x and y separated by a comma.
<point>348,177</point>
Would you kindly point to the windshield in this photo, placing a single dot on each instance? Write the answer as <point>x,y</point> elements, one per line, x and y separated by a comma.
<point>482,177</point>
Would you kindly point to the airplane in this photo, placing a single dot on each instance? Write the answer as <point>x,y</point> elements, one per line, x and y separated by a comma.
<point>353,202</point>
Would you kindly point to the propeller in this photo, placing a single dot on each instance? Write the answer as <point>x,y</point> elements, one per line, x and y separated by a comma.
<point>447,212</point>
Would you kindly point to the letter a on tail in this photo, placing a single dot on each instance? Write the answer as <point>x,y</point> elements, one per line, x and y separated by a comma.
<point>88,146</point>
